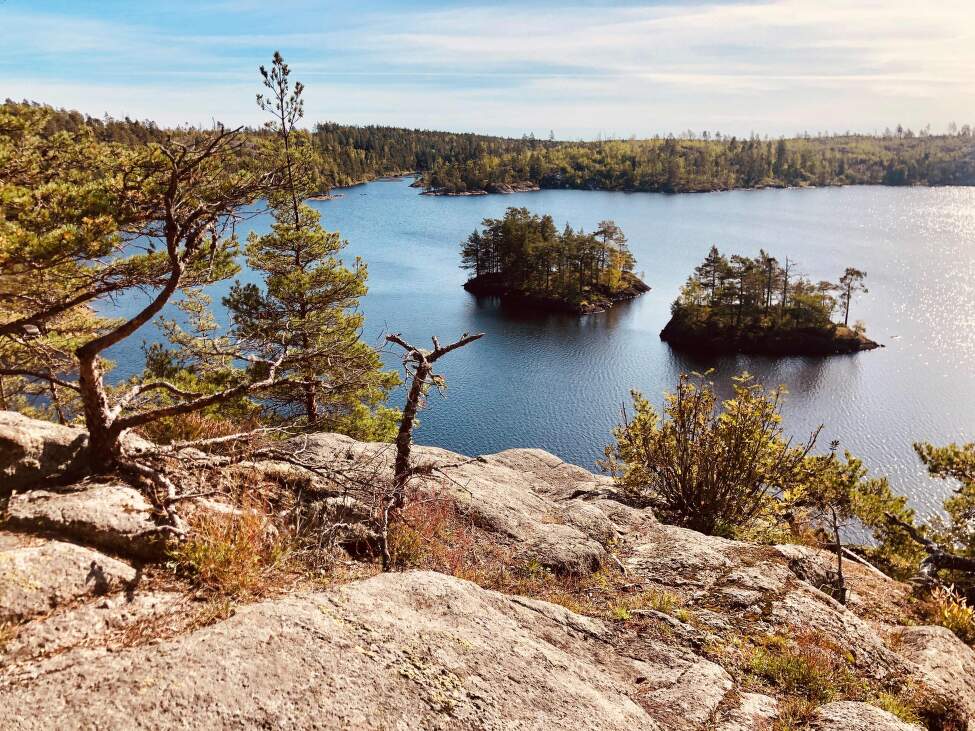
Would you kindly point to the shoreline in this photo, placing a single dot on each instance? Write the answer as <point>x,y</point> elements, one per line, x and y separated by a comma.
<point>806,341</point>
<point>700,191</point>
<point>481,287</point>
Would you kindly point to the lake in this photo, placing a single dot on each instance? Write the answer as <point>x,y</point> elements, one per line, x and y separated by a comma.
<point>557,382</point>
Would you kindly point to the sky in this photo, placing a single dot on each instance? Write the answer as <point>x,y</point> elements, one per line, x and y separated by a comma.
<point>579,69</point>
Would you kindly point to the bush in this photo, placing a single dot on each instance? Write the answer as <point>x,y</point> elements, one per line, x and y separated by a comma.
<point>705,466</point>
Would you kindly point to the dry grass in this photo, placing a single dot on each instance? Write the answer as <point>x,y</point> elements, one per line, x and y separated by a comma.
<point>806,667</point>
<point>433,534</point>
<point>231,554</point>
<point>807,670</point>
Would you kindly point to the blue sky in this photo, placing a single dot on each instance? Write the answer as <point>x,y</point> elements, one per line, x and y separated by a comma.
<point>582,69</point>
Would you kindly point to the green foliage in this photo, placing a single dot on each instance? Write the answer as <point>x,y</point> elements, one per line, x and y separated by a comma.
<point>456,162</point>
<point>955,530</point>
<point>957,463</point>
<point>85,219</point>
<point>58,224</point>
<point>703,465</point>
<point>850,283</point>
<point>525,253</point>
<point>760,294</point>
<point>691,165</point>
<point>892,547</point>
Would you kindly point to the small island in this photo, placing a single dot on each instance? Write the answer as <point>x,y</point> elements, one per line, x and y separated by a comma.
<point>524,259</point>
<point>761,306</point>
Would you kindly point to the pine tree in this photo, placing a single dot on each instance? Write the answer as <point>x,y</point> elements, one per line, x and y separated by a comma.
<point>334,379</point>
<point>850,283</point>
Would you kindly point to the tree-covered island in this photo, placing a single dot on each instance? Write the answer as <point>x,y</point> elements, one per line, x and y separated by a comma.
<point>762,305</point>
<point>526,260</point>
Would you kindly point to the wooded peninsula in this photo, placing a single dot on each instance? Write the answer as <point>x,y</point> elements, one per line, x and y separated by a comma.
<point>760,305</point>
<point>524,259</point>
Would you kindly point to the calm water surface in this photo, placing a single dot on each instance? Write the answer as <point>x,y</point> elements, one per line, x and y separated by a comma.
<point>557,382</point>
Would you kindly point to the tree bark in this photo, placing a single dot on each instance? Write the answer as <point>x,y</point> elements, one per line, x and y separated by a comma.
<point>404,438</point>
<point>103,447</point>
<point>938,558</point>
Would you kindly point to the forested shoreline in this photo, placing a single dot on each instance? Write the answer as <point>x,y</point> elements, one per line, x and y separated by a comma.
<point>685,165</point>
<point>456,163</point>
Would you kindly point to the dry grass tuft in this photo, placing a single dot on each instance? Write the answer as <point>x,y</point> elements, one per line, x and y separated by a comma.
<point>194,426</point>
<point>433,533</point>
<point>241,554</point>
<point>807,670</point>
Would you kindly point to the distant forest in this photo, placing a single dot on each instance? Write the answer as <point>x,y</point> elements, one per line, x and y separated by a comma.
<point>456,163</point>
<point>674,165</point>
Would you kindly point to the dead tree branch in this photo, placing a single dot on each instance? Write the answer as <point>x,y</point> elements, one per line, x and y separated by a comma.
<point>419,364</point>
<point>938,557</point>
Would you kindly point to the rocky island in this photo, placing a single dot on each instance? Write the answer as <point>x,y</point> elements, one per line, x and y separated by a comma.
<point>759,306</point>
<point>526,261</point>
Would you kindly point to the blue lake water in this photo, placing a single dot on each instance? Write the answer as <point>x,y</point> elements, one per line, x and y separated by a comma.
<point>557,382</point>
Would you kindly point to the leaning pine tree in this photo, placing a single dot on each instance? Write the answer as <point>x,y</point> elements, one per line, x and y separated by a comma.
<point>336,381</point>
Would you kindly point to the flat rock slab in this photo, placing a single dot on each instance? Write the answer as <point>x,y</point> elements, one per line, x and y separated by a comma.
<point>854,716</point>
<point>417,650</point>
<point>109,516</point>
<point>37,579</point>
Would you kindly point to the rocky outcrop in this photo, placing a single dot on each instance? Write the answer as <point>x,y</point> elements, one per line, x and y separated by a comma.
<point>37,453</point>
<point>40,454</point>
<point>567,536</point>
<point>414,650</point>
<point>87,624</point>
<point>427,650</point>
<point>853,716</point>
<point>108,516</point>
<point>596,300</point>
<point>36,579</point>
<point>705,338</point>
<point>944,663</point>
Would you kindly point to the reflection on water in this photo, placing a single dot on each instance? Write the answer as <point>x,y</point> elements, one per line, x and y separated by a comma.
<point>557,381</point>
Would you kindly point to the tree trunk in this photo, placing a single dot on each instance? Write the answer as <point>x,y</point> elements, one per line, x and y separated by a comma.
<point>56,401</point>
<point>103,441</point>
<point>840,579</point>
<point>311,404</point>
<point>404,438</point>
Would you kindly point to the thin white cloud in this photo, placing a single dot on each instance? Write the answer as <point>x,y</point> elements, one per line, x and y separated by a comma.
<point>773,67</point>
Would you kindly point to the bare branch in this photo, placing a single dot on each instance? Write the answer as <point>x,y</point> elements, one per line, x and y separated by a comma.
<point>938,558</point>
<point>37,374</point>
